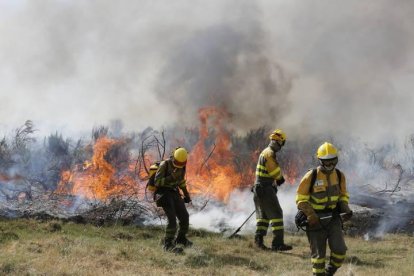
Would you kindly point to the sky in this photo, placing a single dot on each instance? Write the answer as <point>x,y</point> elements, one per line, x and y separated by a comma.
<point>343,68</point>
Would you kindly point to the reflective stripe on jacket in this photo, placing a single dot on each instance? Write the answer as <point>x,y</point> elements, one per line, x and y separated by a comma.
<point>169,176</point>
<point>326,192</point>
<point>267,169</point>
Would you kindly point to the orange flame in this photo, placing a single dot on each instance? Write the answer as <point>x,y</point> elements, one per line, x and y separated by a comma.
<point>97,178</point>
<point>5,177</point>
<point>211,171</point>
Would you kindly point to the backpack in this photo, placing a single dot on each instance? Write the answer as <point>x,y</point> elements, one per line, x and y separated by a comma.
<point>152,172</point>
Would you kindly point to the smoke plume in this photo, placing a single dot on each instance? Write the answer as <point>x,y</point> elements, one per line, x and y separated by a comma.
<point>321,70</point>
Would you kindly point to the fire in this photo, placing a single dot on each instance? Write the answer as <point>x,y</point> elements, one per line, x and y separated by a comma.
<point>291,167</point>
<point>211,170</point>
<point>97,179</point>
<point>5,177</point>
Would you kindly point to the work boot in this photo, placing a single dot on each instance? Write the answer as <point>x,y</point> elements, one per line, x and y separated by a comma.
<point>330,270</point>
<point>183,241</point>
<point>258,241</point>
<point>279,245</point>
<point>169,246</point>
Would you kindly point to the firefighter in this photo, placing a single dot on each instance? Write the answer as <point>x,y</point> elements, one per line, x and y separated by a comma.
<point>268,210</point>
<point>169,177</point>
<point>322,193</point>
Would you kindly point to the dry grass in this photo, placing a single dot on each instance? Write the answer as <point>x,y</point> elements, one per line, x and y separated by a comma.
<point>30,247</point>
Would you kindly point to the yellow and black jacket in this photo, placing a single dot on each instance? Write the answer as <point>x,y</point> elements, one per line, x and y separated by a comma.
<point>267,169</point>
<point>325,194</point>
<point>170,177</point>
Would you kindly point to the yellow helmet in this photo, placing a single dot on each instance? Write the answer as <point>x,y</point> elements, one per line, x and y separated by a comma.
<point>278,135</point>
<point>327,151</point>
<point>180,157</point>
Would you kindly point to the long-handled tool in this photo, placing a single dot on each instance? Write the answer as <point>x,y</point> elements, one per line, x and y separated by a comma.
<point>238,229</point>
<point>306,223</point>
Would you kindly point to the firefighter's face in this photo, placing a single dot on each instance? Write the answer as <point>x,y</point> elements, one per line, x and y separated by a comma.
<point>276,145</point>
<point>328,164</point>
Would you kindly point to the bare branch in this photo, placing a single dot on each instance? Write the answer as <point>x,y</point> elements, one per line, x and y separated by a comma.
<point>208,157</point>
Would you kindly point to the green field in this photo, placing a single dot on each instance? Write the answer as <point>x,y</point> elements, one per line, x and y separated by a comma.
<point>30,247</point>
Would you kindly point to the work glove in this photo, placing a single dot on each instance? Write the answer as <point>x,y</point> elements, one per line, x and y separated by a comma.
<point>347,216</point>
<point>344,208</point>
<point>311,216</point>
<point>187,199</point>
<point>313,220</point>
<point>280,181</point>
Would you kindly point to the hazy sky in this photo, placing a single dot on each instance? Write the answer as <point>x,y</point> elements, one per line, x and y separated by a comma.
<point>343,67</point>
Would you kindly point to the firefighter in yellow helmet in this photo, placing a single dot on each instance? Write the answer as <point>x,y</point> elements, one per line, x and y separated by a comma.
<point>268,210</point>
<point>322,194</point>
<point>169,177</point>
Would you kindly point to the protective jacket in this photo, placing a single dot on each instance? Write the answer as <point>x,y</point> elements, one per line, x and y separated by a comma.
<point>267,169</point>
<point>169,176</point>
<point>326,193</point>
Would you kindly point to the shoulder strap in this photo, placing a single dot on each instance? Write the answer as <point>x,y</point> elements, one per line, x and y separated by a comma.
<point>338,173</point>
<point>313,180</point>
<point>166,168</point>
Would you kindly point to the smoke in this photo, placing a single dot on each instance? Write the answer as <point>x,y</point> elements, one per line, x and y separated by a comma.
<point>227,218</point>
<point>316,67</point>
<point>340,71</point>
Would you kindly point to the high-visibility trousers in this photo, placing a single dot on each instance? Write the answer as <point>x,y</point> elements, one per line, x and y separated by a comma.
<point>268,211</point>
<point>174,207</point>
<point>330,233</point>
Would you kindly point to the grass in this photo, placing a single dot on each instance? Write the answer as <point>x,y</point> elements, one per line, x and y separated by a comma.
<point>30,247</point>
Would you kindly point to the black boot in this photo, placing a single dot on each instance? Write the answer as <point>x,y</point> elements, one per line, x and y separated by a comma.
<point>330,270</point>
<point>258,241</point>
<point>279,245</point>
<point>181,239</point>
<point>169,246</point>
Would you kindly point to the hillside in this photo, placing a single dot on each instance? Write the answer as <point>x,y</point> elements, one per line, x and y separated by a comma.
<point>30,247</point>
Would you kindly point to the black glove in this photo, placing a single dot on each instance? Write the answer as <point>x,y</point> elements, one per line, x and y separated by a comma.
<point>280,181</point>
<point>300,219</point>
<point>347,216</point>
<point>187,199</point>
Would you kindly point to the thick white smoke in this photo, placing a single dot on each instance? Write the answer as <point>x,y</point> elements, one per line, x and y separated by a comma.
<point>337,70</point>
<point>314,67</point>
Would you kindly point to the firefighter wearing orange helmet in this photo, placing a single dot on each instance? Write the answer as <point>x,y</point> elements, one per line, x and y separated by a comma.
<point>268,210</point>
<point>169,177</point>
<point>322,194</point>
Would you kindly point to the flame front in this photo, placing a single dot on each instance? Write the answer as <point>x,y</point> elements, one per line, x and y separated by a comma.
<point>97,179</point>
<point>211,171</point>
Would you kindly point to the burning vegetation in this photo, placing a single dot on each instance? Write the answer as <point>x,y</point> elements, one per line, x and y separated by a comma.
<point>105,177</point>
